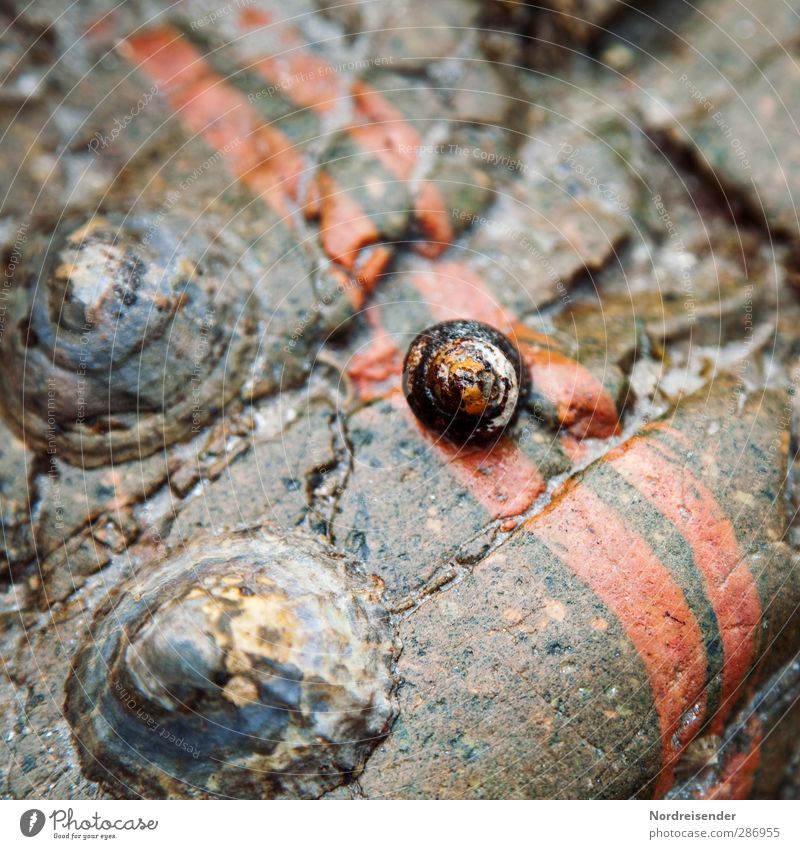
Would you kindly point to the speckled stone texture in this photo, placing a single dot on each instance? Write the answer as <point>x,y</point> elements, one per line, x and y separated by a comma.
<point>221,230</point>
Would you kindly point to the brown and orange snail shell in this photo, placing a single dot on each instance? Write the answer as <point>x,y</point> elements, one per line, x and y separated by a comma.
<point>126,334</point>
<point>255,664</point>
<point>464,379</point>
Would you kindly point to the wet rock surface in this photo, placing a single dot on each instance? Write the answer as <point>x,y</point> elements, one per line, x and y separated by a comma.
<point>222,229</point>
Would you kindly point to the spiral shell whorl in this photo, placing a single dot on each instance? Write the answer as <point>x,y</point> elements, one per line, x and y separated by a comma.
<point>246,666</point>
<point>464,379</point>
<point>125,334</point>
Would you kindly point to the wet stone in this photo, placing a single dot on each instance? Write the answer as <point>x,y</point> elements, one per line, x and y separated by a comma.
<point>536,604</point>
<point>277,476</point>
<point>704,70</point>
<point>395,464</point>
<point>731,142</point>
<point>600,604</point>
<point>555,219</point>
<point>34,730</point>
<point>438,32</point>
<point>554,30</point>
<point>17,493</point>
<point>555,640</point>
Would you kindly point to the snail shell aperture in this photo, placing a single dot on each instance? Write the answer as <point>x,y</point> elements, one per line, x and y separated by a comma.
<point>126,334</point>
<point>464,379</point>
<point>251,665</point>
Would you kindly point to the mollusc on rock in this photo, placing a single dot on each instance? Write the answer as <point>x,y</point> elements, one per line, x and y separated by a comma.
<point>249,665</point>
<point>126,335</point>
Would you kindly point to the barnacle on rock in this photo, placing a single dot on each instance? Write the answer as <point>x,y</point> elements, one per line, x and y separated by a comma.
<point>250,665</point>
<point>125,334</point>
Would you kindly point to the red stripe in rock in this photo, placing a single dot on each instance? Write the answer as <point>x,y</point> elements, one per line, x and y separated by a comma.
<point>582,404</point>
<point>303,77</point>
<point>345,229</point>
<point>623,571</point>
<point>386,134</point>
<point>452,290</point>
<point>434,221</point>
<point>375,370</point>
<point>307,79</point>
<point>260,156</point>
<point>574,448</point>
<point>502,478</point>
<point>664,480</point>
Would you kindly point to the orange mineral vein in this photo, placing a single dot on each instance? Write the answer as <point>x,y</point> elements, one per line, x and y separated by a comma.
<point>261,156</point>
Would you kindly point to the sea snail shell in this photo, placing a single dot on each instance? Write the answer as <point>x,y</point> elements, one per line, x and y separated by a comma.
<point>125,334</point>
<point>464,379</point>
<point>251,665</point>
